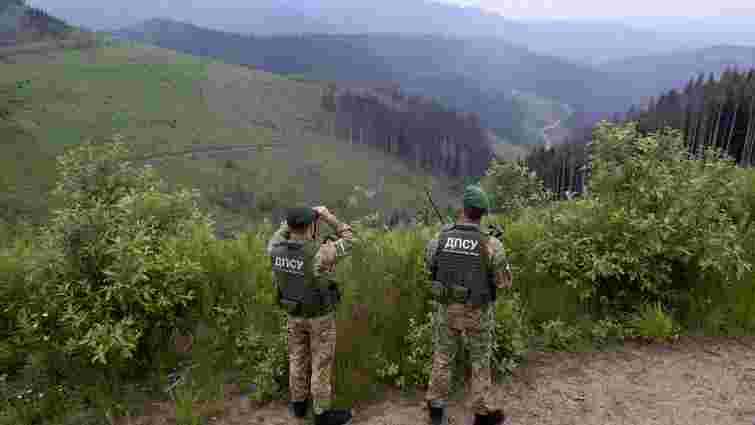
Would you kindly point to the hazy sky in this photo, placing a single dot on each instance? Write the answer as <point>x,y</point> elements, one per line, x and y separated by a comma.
<point>613,8</point>
<point>526,9</point>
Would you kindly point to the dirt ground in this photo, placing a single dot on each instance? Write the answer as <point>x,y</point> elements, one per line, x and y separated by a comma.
<point>695,381</point>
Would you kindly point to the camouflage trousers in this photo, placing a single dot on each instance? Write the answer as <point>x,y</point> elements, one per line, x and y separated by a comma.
<point>475,327</point>
<point>311,355</point>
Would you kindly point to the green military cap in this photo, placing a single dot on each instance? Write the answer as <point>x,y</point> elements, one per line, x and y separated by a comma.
<point>300,216</point>
<point>475,197</point>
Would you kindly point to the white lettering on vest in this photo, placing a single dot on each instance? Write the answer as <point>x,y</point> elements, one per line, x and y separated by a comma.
<point>459,243</point>
<point>288,263</point>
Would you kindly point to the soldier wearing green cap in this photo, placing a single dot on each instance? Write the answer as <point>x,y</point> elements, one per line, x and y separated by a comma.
<point>467,268</point>
<point>303,270</point>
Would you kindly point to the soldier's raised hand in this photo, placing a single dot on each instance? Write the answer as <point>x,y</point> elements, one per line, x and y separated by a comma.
<point>321,211</point>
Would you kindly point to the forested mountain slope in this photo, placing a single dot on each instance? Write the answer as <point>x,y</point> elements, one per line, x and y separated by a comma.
<point>710,113</point>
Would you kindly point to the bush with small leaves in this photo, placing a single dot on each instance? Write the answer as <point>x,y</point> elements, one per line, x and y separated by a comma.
<point>653,323</point>
<point>512,333</point>
<point>659,225</point>
<point>118,261</point>
<point>561,336</point>
<point>513,187</point>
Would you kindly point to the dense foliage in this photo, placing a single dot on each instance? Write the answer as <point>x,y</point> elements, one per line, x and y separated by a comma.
<point>664,244</point>
<point>513,187</point>
<point>658,226</point>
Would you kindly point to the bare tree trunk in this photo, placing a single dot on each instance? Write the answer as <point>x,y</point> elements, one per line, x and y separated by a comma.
<point>732,127</point>
<point>718,125</point>
<point>748,137</point>
<point>749,145</point>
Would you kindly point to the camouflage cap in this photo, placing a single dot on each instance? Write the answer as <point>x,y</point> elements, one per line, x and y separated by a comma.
<point>475,197</point>
<point>300,216</point>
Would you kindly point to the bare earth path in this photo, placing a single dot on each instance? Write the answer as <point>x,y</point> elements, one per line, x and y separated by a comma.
<point>696,381</point>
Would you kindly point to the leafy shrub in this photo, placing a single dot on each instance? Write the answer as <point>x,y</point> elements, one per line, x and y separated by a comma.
<point>386,301</point>
<point>17,251</point>
<point>605,331</point>
<point>512,333</point>
<point>416,365</point>
<point>265,362</point>
<point>513,187</point>
<point>657,227</point>
<point>558,335</point>
<point>652,322</point>
<point>119,264</point>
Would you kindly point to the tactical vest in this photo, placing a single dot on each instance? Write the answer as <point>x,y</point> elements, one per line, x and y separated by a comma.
<point>300,293</point>
<point>461,271</point>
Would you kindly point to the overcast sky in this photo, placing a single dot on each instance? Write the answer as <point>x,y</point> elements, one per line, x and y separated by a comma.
<point>591,9</point>
<point>526,9</point>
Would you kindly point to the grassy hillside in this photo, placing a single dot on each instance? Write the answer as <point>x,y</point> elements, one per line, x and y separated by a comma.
<point>163,104</point>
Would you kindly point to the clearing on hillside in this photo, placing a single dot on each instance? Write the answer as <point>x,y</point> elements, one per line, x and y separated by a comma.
<point>253,142</point>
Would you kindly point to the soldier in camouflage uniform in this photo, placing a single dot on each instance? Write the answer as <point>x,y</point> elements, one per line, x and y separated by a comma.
<point>303,269</point>
<point>467,266</point>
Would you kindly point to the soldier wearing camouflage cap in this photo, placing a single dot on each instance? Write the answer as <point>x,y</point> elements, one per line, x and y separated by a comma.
<point>467,268</point>
<point>303,271</point>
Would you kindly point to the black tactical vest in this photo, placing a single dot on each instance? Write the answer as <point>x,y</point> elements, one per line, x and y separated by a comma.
<point>461,265</point>
<point>300,293</point>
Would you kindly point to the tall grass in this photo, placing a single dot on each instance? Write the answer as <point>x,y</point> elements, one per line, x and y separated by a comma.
<point>385,286</point>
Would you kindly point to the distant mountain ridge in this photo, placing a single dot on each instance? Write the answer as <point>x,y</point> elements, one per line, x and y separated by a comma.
<point>676,68</point>
<point>581,42</point>
<point>474,75</point>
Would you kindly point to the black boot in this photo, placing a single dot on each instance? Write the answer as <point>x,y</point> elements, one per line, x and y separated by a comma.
<point>334,417</point>
<point>298,408</point>
<point>438,415</point>
<point>495,417</point>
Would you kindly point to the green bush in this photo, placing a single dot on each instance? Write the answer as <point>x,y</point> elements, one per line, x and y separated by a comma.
<point>558,335</point>
<point>606,331</point>
<point>415,369</point>
<point>652,322</point>
<point>15,256</point>
<point>513,187</point>
<point>513,333</point>
<point>659,225</point>
<point>115,266</point>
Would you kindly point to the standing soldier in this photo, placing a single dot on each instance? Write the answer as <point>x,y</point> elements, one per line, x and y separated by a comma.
<point>303,274</point>
<point>467,267</point>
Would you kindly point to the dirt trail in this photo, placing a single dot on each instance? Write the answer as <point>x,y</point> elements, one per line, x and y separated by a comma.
<point>696,381</point>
